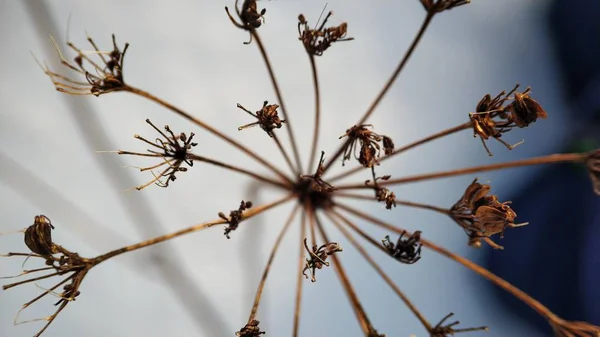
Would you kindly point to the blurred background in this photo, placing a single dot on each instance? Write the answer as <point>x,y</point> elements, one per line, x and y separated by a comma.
<point>191,55</point>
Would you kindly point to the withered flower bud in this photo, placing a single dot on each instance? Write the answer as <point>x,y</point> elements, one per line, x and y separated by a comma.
<point>268,118</point>
<point>317,40</point>
<point>387,196</point>
<point>525,110</point>
<point>593,165</point>
<point>370,149</point>
<point>368,156</point>
<point>482,215</point>
<point>388,145</point>
<point>318,257</point>
<point>250,330</point>
<point>38,237</point>
<point>406,251</point>
<point>235,217</point>
<point>382,194</point>
<point>249,16</point>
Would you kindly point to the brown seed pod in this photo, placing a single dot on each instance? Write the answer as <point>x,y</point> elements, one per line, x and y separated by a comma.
<point>525,110</point>
<point>38,237</point>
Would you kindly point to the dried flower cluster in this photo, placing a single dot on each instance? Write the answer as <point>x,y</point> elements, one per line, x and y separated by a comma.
<point>104,77</point>
<point>59,261</point>
<point>267,117</point>
<point>316,41</point>
<point>482,215</point>
<point>318,203</point>
<point>318,257</point>
<point>359,136</point>
<point>492,118</point>
<point>382,194</point>
<point>174,150</point>
<point>235,217</point>
<point>407,251</point>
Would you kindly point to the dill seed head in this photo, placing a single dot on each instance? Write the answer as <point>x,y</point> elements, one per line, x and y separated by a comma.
<point>406,250</point>
<point>482,215</point>
<point>317,40</point>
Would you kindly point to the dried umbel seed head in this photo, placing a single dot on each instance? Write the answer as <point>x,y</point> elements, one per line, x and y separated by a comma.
<point>38,237</point>
<point>482,215</point>
<point>268,118</point>
<point>235,217</point>
<point>249,16</point>
<point>493,119</point>
<point>317,40</point>
<point>370,149</point>
<point>173,150</point>
<point>250,330</point>
<point>102,76</point>
<point>60,263</point>
<point>407,250</point>
<point>593,165</point>
<point>318,257</point>
<point>440,330</point>
<point>437,6</point>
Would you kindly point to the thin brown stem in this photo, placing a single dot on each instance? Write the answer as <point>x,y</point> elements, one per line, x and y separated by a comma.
<point>310,211</point>
<point>247,214</point>
<point>388,84</point>
<point>11,285</point>
<point>208,128</point>
<point>407,147</point>
<point>331,215</point>
<point>238,169</point>
<point>299,277</point>
<point>550,159</point>
<point>284,111</point>
<point>441,210</point>
<point>315,141</point>
<point>284,153</point>
<point>521,295</point>
<point>263,280</point>
<point>359,311</point>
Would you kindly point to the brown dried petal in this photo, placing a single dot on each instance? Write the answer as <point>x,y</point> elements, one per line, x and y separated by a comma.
<point>526,110</point>
<point>388,145</point>
<point>474,193</point>
<point>38,237</point>
<point>491,220</point>
<point>367,156</point>
<point>484,104</point>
